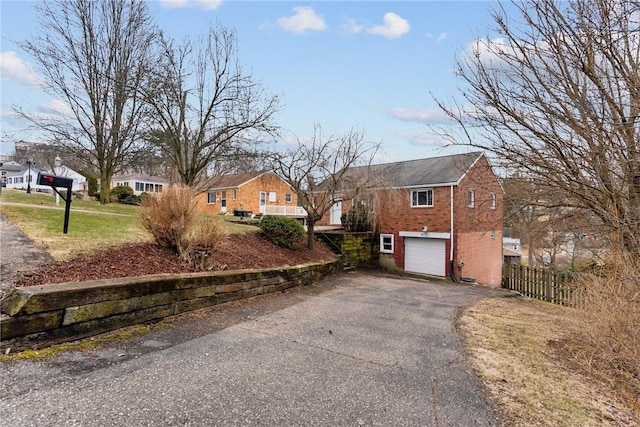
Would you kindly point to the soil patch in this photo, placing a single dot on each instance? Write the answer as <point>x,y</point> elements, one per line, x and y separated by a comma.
<point>238,252</point>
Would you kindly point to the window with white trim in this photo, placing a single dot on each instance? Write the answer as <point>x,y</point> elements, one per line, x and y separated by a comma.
<point>386,243</point>
<point>272,196</point>
<point>211,197</point>
<point>234,194</point>
<point>288,198</point>
<point>471,198</point>
<point>493,201</point>
<point>422,198</point>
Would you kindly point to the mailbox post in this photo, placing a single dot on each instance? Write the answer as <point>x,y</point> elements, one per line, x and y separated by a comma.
<point>56,182</point>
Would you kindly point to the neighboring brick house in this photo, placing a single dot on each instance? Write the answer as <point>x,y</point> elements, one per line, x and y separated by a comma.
<point>439,216</point>
<point>254,193</point>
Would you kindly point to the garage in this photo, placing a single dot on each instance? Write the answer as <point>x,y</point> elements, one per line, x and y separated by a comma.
<point>426,256</point>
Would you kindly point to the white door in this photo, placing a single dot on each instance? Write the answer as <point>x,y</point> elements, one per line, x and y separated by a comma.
<point>426,256</point>
<point>335,213</point>
<point>263,202</point>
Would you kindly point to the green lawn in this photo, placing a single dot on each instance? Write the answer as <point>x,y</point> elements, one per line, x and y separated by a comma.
<point>91,226</point>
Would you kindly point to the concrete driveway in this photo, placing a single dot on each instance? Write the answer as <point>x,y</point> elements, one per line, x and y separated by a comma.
<point>364,349</point>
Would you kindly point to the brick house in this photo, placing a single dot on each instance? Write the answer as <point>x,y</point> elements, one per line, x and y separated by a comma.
<point>439,216</point>
<point>253,193</point>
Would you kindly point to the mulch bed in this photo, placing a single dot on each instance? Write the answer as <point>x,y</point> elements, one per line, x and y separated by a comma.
<point>238,252</point>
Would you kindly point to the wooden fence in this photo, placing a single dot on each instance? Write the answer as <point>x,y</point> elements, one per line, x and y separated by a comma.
<point>543,284</point>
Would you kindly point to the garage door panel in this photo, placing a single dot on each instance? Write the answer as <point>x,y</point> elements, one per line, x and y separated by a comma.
<point>425,256</point>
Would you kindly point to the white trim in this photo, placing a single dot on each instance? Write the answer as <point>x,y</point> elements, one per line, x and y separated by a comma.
<point>425,235</point>
<point>382,249</point>
<point>463,176</point>
<point>418,190</point>
<point>452,230</point>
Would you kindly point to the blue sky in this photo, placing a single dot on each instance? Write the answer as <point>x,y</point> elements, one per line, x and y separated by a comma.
<point>371,65</point>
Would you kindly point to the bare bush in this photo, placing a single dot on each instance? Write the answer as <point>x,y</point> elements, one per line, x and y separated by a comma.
<point>171,218</point>
<point>202,238</point>
<point>609,344</point>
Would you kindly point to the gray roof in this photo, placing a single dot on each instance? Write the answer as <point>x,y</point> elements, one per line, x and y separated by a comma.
<point>421,172</point>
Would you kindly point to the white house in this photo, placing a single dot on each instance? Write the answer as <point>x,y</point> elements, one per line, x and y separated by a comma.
<point>79,181</point>
<point>20,179</point>
<point>141,183</point>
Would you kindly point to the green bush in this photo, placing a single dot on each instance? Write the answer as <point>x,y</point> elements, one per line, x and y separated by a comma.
<point>121,192</point>
<point>92,185</point>
<point>357,219</point>
<point>282,231</point>
<point>131,200</point>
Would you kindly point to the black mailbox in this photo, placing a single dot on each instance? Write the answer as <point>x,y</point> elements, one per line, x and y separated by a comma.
<point>54,181</point>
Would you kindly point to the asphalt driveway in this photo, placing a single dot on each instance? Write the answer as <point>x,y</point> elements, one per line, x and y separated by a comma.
<point>363,349</point>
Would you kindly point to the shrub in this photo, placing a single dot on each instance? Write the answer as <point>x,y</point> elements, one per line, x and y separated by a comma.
<point>92,185</point>
<point>282,231</point>
<point>357,218</point>
<point>121,192</point>
<point>131,200</point>
<point>610,347</point>
<point>171,219</point>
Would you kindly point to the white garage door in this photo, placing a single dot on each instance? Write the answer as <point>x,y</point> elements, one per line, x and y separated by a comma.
<point>425,256</point>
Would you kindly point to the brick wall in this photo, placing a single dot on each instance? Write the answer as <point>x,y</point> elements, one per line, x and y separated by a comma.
<point>481,255</point>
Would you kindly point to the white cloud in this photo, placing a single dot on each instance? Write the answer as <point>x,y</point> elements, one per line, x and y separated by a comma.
<point>14,68</point>
<point>422,138</point>
<point>393,26</point>
<point>56,107</point>
<point>427,115</point>
<point>305,19</point>
<point>179,4</point>
<point>441,37</point>
<point>352,27</point>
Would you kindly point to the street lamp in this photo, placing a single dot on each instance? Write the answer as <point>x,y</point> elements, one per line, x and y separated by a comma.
<point>30,163</point>
<point>56,171</point>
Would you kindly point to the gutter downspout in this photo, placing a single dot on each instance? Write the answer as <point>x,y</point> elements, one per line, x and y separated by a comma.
<point>451,241</point>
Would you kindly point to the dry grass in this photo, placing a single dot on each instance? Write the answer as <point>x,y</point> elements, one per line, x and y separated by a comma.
<point>517,347</point>
<point>609,349</point>
<point>171,218</point>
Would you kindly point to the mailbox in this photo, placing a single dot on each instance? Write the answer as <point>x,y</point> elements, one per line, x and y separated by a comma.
<point>54,181</point>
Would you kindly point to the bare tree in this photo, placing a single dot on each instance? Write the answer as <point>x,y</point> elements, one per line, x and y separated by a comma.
<point>318,170</point>
<point>556,96</point>
<point>94,57</point>
<point>206,107</point>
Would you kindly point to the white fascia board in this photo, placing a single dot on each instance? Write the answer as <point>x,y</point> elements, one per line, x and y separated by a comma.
<point>425,235</point>
<point>442,184</point>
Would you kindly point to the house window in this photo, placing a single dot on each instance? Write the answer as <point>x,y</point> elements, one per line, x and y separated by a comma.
<point>211,197</point>
<point>223,199</point>
<point>386,243</point>
<point>420,198</point>
<point>234,193</point>
<point>471,196</point>
<point>272,196</point>
<point>9,181</point>
<point>493,201</point>
<point>288,198</point>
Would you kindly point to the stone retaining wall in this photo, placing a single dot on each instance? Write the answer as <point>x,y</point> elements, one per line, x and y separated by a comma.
<point>357,249</point>
<point>39,316</point>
